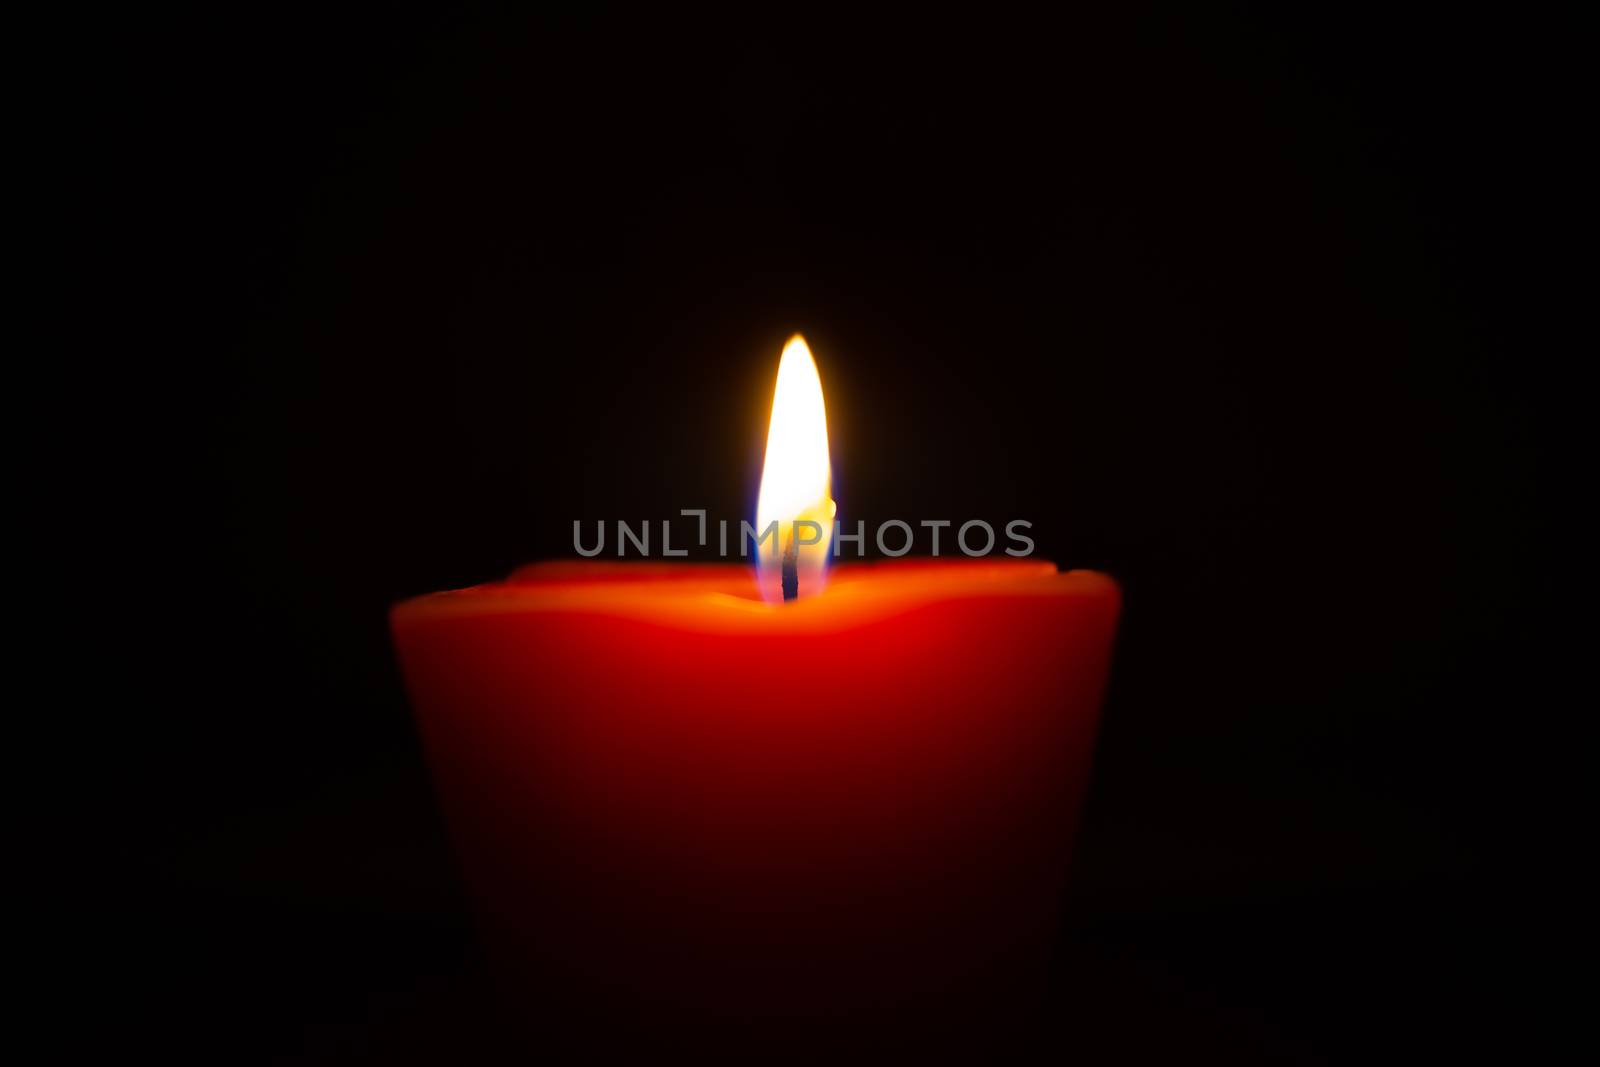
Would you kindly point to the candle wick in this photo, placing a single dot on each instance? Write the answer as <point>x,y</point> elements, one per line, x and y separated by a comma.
<point>791,568</point>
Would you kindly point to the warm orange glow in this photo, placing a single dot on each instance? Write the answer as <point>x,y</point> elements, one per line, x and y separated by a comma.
<point>796,477</point>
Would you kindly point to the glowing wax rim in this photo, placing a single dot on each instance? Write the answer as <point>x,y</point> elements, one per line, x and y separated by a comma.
<point>721,597</point>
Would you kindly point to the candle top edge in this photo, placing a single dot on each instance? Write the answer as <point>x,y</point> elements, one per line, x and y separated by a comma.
<point>720,596</point>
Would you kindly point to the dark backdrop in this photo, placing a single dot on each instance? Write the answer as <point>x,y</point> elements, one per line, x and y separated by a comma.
<point>1234,308</point>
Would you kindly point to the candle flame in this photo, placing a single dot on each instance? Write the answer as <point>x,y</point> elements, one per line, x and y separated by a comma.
<point>796,480</point>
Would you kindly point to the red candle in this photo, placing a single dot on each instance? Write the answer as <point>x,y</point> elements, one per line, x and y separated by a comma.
<point>681,803</point>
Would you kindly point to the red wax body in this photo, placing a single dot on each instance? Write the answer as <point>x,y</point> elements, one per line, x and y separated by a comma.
<point>678,806</point>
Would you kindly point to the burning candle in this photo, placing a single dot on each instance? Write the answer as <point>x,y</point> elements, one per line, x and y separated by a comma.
<point>695,799</point>
<point>795,503</point>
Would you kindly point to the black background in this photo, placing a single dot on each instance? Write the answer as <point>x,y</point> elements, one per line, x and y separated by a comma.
<point>1239,308</point>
